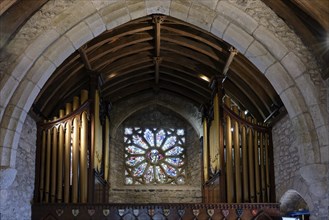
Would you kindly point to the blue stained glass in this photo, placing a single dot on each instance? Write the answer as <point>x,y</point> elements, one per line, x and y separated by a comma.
<point>149,136</point>
<point>175,161</point>
<point>154,156</point>
<point>128,131</point>
<point>171,141</point>
<point>180,132</point>
<point>132,161</point>
<point>139,141</point>
<point>171,171</point>
<point>138,171</point>
<point>174,151</point>
<point>160,175</point>
<point>149,176</point>
<point>134,150</point>
<point>160,136</point>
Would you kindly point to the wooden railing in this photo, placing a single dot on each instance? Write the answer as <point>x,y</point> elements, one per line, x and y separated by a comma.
<point>171,211</point>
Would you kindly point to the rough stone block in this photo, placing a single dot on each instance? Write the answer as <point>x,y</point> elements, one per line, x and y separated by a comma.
<point>293,101</point>
<point>137,9</point>
<point>23,65</point>
<point>7,176</point>
<point>72,16</point>
<point>238,38</point>
<point>271,42</point>
<point>211,4</point>
<point>41,43</point>
<point>279,78</point>
<point>324,152</point>
<point>95,24</point>
<point>242,19</point>
<point>323,136</point>
<point>293,65</point>
<point>41,71</point>
<point>11,123</point>
<point>314,173</point>
<point>79,35</point>
<point>179,9</point>
<point>201,16</point>
<point>8,84</point>
<point>115,14</point>
<point>157,6</point>
<point>259,56</point>
<point>219,26</point>
<point>306,87</point>
<point>23,93</point>
<point>59,51</point>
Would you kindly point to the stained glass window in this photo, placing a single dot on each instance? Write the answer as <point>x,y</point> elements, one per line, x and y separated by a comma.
<point>154,156</point>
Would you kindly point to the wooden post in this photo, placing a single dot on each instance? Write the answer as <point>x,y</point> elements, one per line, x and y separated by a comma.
<point>251,164</point>
<point>67,155</point>
<point>262,168</point>
<point>205,151</point>
<point>256,160</point>
<point>267,168</point>
<point>83,151</point>
<point>107,149</point>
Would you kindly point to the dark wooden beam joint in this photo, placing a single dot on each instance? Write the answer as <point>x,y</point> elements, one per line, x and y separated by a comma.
<point>233,52</point>
<point>157,61</point>
<point>84,57</point>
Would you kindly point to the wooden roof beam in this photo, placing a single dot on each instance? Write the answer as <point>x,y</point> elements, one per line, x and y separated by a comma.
<point>157,20</point>
<point>84,57</point>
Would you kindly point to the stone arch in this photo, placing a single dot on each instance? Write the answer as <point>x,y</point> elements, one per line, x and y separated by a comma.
<point>291,200</point>
<point>36,59</point>
<point>186,110</point>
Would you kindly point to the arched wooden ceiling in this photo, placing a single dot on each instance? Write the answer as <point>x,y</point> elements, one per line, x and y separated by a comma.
<point>158,54</point>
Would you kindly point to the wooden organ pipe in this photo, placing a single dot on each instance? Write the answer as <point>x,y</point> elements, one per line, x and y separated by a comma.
<point>229,162</point>
<point>53,163</point>
<point>43,165</point>
<point>75,153</point>
<point>238,185</point>
<point>262,167</point>
<point>107,149</point>
<point>67,155</point>
<point>251,164</point>
<point>267,168</point>
<point>205,151</point>
<point>60,159</point>
<point>256,160</point>
<point>244,162</point>
<point>83,151</point>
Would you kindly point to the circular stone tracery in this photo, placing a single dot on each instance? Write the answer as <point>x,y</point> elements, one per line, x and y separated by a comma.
<point>154,156</point>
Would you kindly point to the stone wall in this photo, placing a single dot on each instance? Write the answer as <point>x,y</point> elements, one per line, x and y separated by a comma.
<point>186,193</point>
<point>286,158</point>
<point>15,202</point>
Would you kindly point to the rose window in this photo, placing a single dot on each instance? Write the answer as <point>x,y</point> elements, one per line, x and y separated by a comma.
<point>154,156</point>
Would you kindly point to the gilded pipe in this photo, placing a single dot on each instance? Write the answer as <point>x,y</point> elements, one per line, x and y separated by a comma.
<point>262,168</point>
<point>244,162</point>
<point>42,168</point>
<point>53,164</point>
<point>83,151</point>
<point>75,153</point>
<point>60,159</point>
<point>267,167</point>
<point>48,159</point>
<point>67,155</point>
<point>205,150</point>
<point>229,162</point>
<point>107,149</point>
<point>238,185</point>
<point>256,159</point>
